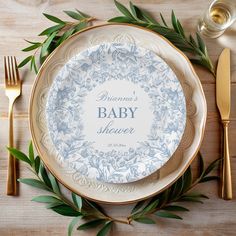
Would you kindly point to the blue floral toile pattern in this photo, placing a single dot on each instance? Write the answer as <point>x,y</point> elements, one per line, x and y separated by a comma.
<point>93,67</point>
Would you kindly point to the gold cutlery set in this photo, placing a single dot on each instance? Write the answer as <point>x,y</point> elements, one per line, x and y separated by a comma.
<point>13,86</point>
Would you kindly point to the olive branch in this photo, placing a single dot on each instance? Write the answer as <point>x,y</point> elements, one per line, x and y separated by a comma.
<point>166,204</point>
<point>55,35</point>
<point>195,49</point>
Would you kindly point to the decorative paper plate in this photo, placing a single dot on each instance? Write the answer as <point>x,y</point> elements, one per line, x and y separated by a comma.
<point>47,82</point>
<point>116,112</point>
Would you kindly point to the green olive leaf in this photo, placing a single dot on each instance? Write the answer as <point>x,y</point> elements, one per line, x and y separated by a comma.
<point>190,199</point>
<point>77,201</point>
<point>84,15</point>
<point>80,26</point>
<point>201,44</point>
<point>95,207</point>
<point>165,214</point>
<point>72,225</point>
<point>46,199</point>
<point>53,18</point>
<point>28,41</point>
<point>177,188</point>
<point>133,9</point>
<point>31,152</point>
<point>66,210</point>
<point>145,220</point>
<point>37,164</point>
<point>74,15</point>
<point>151,206</point>
<point>51,30</point>
<point>120,19</point>
<point>195,195</point>
<point>25,61</point>
<point>163,20</point>
<point>145,15</point>
<point>139,205</point>
<point>54,204</point>
<point>163,197</point>
<point>33,64</point>
<point>187,179</point>
<point>105,229</point>
<point>209,178</point>
<point>91,224</point>
<point>123,10</point>
<point>32,47</point>
<point>175,208</point>
<point>47,43</point>
<point>201,165</point>
<point>212,166</point>
<point>66,35</point>
<point>19,155</point>
<point>44,175</point>
<point>34,183</point>
<point>55,185</point>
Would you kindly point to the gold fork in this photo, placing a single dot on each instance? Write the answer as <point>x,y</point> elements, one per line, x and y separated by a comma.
<point>13,90</point>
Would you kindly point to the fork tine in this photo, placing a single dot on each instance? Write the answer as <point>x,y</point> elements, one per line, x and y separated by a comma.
<point>5,69</point>
<point>13,71</point>
<point>16,72</point>
<point>10,79</point>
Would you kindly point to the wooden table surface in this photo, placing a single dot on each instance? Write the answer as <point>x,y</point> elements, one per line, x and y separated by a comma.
<point>22,19</point>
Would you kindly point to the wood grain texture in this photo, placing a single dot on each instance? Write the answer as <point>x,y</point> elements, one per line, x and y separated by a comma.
<point>19,216</point>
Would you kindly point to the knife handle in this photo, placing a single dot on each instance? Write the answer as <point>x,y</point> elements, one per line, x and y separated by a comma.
<point>226,173</point>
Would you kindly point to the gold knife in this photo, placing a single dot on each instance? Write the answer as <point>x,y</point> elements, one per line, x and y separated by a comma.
<point>223,103</point>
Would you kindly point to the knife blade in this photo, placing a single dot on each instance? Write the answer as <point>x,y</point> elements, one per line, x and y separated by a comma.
<point>223,84</point>
<point>223,104</point>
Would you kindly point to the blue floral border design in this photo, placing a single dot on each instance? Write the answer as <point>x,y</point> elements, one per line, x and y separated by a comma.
<point>67,95</point>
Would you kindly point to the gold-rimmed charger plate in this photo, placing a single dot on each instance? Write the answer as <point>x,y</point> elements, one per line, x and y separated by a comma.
<point>196,114</point>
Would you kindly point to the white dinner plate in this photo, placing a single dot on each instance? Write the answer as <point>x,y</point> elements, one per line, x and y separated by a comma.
<point>64,171</point>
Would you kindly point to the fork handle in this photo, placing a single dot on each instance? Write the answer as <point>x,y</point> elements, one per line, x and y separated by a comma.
<point>11,177</point>
<point>226,173</point>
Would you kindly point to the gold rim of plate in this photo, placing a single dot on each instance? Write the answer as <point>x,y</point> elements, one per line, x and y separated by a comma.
<point>38,144</point>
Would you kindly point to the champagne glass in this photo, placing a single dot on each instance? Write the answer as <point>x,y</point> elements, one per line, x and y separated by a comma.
<point>220,15</point>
